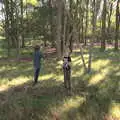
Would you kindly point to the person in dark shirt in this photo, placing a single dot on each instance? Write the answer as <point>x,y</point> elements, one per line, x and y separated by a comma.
<point>67,71</point>
<point>37,62</point>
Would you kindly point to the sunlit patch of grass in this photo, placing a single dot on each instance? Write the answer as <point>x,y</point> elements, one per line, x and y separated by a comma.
<point>18,81</point>
<point>97,65</point>
<point>59,77</point>
<point>47,77</point>
<point>118,73</point>
<point>3,88</point>
<point>72,103</point>
<point>76,73</point>
<point>68,108</point>
<point>96,78</point>
<point>15,82</point>
<point>90,97</point>
<point>78,62</point>
<point>75,58</point>
<point>115,110</point>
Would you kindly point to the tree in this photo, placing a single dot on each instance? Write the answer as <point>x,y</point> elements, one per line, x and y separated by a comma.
<point>117,25</point>
<point>93,34</point>
<point>21,23</point>
<point>103,41</point>
<point>59,22</point>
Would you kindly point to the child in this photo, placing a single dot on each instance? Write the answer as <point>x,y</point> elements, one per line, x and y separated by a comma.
<point>67,71</point>
<point>37,62</point>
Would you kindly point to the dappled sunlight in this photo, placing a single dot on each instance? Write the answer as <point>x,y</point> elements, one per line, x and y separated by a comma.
<point>97,65</point>
<point>76,73</point>
<point>72,103</point>
<point>18,81</point>
<point>60,62</point>
<point>59,77</point>
<point>115,110</point>
<point>78,62</point>
<point>75,58</point>
<point>47,76</point>
<point>92,94</point>
<point>15,82</point>
<point>69,105</point>
<point>3,68</point>
<point>59,67</point>
<point>96,78</point>
<point>100,76</point>
<point>117,73</point>
<point>7,67</point>
<point>3,88</point>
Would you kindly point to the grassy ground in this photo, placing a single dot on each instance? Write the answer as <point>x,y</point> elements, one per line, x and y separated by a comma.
<point>96,96</point>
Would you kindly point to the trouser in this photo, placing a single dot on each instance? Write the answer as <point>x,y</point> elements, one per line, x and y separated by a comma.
<point>67,81</point>
<point>36,75</point>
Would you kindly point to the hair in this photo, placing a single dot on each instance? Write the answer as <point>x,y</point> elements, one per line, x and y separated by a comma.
<point>37,47</point>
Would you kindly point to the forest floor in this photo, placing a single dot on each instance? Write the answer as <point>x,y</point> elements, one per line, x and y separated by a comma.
<point>95,96</point>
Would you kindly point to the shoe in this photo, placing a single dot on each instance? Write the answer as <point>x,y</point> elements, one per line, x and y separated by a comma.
<point>34,83</point>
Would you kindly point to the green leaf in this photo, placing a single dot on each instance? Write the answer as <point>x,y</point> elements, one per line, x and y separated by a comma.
<point>32,2</point>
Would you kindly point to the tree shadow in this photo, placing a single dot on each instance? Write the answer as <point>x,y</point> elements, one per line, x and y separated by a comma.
<point>38,102</point>
<point>31,102</point>
<point>99,98</point>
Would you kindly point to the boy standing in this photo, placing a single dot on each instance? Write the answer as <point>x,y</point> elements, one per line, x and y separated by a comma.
<point>37,62</point>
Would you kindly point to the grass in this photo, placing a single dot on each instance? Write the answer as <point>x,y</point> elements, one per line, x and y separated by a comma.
<point>96,96</point>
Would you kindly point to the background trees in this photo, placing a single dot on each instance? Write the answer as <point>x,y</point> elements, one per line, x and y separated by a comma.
<point>58,22</point>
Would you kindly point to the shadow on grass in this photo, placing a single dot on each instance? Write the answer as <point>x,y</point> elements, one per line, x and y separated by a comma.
<point>28,102</point>
<point>41,101</point>
<point>99,98</point>
<point>31,102</point>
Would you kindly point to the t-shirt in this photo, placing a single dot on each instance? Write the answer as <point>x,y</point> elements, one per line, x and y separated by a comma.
<point>37,59</point>
<point>66,61</point>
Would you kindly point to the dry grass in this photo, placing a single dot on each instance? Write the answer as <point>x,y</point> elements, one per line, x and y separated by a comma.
<point>95,96</point>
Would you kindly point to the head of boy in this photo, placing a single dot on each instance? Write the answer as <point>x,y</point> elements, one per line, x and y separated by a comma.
<point>37,47</point>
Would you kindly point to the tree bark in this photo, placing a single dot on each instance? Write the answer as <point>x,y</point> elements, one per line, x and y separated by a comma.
<point>59,22</point>
<point>86,26</point>
<point>7,24</point>
<point>93,36</point>
<point>21,20</point>
<point>103,41</point>
<point>117,26</point>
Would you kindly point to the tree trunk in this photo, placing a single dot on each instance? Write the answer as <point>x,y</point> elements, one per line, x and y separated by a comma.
<point>7,24</point>
<point>64,32</point>
<point>86,26</point>
<point>103,41</point>
<point>70,29</point>
<point>109,17</point>
<point>59,22</point>
<point>21,20</point>
<point>93,38</point>
<point>117,26</point>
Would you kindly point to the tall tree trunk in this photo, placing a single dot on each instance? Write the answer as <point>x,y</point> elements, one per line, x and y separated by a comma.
<point>109,17</point>
<point>103,41</point>
<point>59,22</point>
<point>82,34</point>
<point>117,26</point>
<point>86,26</point>
<point>17,31</point>
<point>70,29</point>
<point>7,24</point>
<point>51,20</point>
<point>64,32</point>
<point>93,34</point>
<point>21,20</point>
<point>109,22</point>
